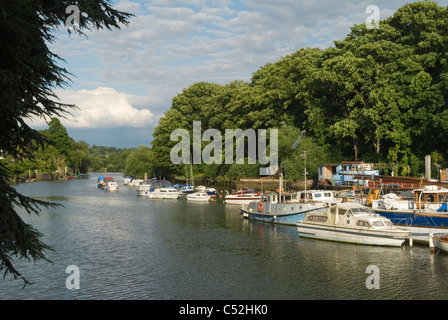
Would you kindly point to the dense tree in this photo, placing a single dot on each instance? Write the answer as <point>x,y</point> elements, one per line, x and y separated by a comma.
<point>80,160</point>
<point>28,74</point>
<point>140,162</point>
<point>377,95</point>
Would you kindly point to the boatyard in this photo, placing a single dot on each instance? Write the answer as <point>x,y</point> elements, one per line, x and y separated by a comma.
<point>421,218</point>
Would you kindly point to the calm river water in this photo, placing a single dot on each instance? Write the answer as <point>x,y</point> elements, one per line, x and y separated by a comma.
<point>130,247</point>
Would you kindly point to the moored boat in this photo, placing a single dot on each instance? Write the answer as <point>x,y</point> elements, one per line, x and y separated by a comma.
<point>126,180</point>
<point>351,223</point>
<point>135,182</point>
<point>103,180</point>
<point>210,191</point>
<point>143,188</point>
<point>187,189</point>
<point>244,190</point>
<point>425,213</point>
<point>199,196</point>
<point>242,198</point>
<point>164,193</point>
<point>285,208</point>
<point>441,242</point>
<point>111,186</point>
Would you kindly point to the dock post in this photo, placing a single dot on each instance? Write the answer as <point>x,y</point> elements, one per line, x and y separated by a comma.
<point>431,243</point>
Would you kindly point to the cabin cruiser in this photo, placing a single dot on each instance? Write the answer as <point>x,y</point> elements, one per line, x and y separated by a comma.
<point>199,196</point>
<point>242,198</point>
<point>187,189</point>
<point>164,193</point>
<point>287,208</point>
<point>352,223</point>
<point>111,186</point>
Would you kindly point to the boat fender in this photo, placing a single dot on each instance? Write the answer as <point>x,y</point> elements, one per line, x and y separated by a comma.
<point>260,207</point>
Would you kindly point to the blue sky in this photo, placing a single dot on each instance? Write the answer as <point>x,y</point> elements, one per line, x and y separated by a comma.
<point>124,80</point>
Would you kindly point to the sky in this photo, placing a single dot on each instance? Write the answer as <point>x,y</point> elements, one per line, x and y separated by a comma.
<point>124,80</point>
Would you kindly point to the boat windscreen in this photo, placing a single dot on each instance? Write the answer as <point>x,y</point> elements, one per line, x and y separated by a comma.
<point>360,210</point>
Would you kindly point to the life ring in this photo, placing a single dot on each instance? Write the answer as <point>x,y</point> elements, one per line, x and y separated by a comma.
<point>260,207</point>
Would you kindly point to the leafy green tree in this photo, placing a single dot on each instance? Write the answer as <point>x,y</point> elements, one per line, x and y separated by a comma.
<point>80,156</point>
<point>58,136</point>
<point>140,162</point>
<point>377,95</point>
<point>28,74</point>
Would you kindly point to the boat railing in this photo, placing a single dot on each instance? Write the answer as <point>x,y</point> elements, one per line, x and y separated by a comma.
<point>421,205</point>
<point>401,221</point>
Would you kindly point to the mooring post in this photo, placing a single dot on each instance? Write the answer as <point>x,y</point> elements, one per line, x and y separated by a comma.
<point>431,243</point>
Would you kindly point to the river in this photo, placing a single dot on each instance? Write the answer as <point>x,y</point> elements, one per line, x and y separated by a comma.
<point>130,247</point>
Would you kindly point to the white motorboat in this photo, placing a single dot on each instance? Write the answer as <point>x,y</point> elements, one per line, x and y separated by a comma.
<point>242,198</point>
<point>111,186</point>
<point>143,188</point>
<point>164,193</point>
<point>199,196</point>
<point>187,189</point>
<point>244,190</point>
<point>209,191</point>
<point>126,180</point>
<point>352,223</point>
<point>135,182</point>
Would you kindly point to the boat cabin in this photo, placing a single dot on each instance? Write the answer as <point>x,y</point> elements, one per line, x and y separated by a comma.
<point>316,195</point>
<point>350,215</point>
<point>344,173</point>
<point>431,195</point>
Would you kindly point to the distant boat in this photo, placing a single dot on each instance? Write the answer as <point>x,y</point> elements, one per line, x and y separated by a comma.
<point>187,189</point>
<point>157,189</point>
<point>351,223</point>
<point>103,180</point>
<point>99,182</point>
<point>199,196</point>
<point>164,193</point>
<point>111,186</point>
<point>210,191</point>
<point>242,198</point>
<point>143,188</point>
<point>126,180</point>
<point>135,182</point>
<point>244,190</point>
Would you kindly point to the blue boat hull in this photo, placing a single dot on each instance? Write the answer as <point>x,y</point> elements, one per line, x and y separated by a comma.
<point>289,219</point>
<point>416,219</point>
<point>285,219</point>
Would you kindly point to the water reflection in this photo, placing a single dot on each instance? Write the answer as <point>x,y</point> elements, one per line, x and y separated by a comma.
<point>129,247</point>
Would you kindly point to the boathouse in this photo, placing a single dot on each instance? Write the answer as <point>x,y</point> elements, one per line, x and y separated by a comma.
<point>344,173</point>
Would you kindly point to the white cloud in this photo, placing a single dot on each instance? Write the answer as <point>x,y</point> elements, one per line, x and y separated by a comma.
<point>103,108</point>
